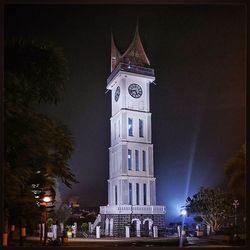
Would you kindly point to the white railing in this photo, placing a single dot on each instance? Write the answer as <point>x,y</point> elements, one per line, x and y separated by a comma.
<point>131,68</point>
<point>128,209</point>
<point>93,226</point>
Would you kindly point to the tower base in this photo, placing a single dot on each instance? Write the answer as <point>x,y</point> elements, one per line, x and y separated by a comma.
<point>140,219</point>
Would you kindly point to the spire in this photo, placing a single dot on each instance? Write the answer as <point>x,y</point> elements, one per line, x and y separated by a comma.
<point>135,53</point>
<point>115,54</point>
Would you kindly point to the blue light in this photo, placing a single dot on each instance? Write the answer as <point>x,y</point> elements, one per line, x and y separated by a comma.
<point>183,212</point>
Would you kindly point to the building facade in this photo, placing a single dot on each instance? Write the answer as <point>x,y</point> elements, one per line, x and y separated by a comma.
<point>131,184</point>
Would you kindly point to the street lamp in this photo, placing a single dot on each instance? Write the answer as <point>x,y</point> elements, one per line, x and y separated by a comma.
<point>181,230</point>
<point>183,212</point>
<point>235,204</point>
<point>46,200</point>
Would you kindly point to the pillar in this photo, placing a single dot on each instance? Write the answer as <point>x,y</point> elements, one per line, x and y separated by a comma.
<point>127,231</point>
<point>98,233</point>
<point>155,231</point>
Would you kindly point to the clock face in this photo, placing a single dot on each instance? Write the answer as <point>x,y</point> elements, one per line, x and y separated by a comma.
<point>117,93</point>
<point>135,90</point>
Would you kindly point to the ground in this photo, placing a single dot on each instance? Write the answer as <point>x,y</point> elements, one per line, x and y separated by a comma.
<point>206,241</point>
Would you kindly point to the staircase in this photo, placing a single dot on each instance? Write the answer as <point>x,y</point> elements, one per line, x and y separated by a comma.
<point>93,226</point>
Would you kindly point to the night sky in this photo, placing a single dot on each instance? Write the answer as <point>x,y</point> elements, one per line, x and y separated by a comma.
<point>198,104</point>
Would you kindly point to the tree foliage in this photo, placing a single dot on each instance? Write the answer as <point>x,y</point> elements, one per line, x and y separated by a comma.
<point>235,170</point>
<point>61,214</point>
<point>34,71</point>
<point>37,148</point>
<point>213,205</point>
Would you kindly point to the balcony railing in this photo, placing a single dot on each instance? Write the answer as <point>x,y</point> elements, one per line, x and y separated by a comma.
<point>128,209</point>
<point>130,68</point>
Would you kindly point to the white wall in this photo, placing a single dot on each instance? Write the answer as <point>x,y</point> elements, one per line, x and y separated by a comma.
<point>126,101</point>
<point>119,127</point>
<point>123,190</point>
<point>118,156</point>
<point>134,108</point>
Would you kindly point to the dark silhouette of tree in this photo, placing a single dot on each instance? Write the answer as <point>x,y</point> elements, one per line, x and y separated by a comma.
<point>235,170</point>
<point>34,72</point>
<point>37,148</point>
<point>62,213</point>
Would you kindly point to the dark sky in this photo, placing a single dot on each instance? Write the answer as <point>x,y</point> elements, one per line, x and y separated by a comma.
<point>198,105</point>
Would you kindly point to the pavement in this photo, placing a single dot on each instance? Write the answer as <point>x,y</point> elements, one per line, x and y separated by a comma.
<point>111,239</point>
<point>205,241</point>
<point>214,241</point>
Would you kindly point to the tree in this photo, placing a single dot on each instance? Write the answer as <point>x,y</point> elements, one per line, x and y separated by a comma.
<point>84,226</point>
<point>213,205</point>
<point>37,148</point>
<point>62,213</point>
<point>235,170</point>
<point>34,72</point>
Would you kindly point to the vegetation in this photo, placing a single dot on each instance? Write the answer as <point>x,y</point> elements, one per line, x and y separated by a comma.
<point>61,214</point>
<point>69,228</point>
<point>213,205</point>
<point>37,148</point>
<point>235,170</point>
<point>84,227</point>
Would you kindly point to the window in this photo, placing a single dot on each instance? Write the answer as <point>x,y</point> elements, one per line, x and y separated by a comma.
<point>130,127</point>
<point>115,194</point>
<point>115,156</point>
<point>119,127</point>
<point>143,160</point>
<point>130,193</point>
<point>137,194</point>
<point>136,160</point>
<point>140,128</point>
<point>144,194</point>
<point>129,159</point>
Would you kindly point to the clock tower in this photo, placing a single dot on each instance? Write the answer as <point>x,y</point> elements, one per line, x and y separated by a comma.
<point>131,183</point>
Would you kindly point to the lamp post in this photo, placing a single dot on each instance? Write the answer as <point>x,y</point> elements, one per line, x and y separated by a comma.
<point>46,200</point>
<point>183,212</point>
<point>235,204</point>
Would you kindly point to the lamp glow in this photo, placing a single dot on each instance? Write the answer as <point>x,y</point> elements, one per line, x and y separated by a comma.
<point>183,212</point>
<point>46,199</point>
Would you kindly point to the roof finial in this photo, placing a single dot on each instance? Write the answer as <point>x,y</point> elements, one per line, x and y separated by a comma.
<point>135,52</point>
<point>115,54</point>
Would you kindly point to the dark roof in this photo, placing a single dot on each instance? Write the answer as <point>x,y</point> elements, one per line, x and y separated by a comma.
<point>115,54</point>
<point>135,53</point>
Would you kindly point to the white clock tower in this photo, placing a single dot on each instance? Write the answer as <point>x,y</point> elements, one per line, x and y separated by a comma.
<point>131,184</point>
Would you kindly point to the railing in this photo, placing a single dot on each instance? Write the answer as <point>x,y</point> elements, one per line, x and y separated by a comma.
<point>129,209</point>
<point>130,68</point>
<point>85,234</point>
<point>93,226</point>
<point>81,234</point>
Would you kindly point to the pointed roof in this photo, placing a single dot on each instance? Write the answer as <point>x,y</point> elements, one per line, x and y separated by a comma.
<point>135,54</point>
<point>115,54</point>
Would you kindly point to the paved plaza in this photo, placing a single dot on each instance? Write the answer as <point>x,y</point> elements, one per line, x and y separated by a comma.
<point>171,241</point>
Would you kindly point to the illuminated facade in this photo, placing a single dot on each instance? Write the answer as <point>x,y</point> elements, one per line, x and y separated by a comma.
<point>131,184</point>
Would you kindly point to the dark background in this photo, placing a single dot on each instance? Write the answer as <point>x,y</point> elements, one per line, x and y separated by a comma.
<point>198,104</point>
